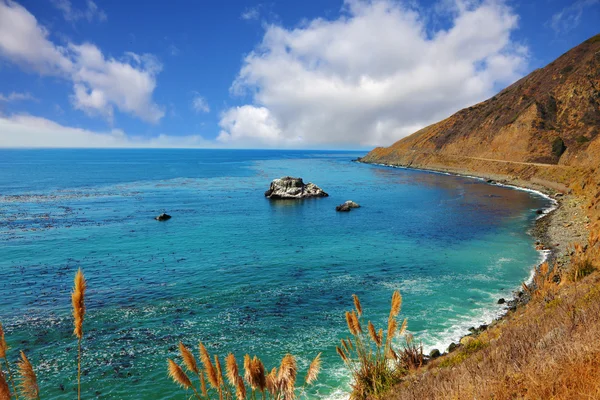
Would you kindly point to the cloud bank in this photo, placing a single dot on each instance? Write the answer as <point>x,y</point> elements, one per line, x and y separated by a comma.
<point>100,84</point>
<point>372,76</point>
<point>30,131</point>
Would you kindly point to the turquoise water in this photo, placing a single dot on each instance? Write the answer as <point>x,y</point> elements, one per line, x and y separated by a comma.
<point>235,270</point>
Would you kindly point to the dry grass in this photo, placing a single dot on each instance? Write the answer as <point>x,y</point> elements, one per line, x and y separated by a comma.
<point>279,384</point>
<point>546,350</point>
<point>373,361</point>
<point>78,302</point>
<point>28,385</point>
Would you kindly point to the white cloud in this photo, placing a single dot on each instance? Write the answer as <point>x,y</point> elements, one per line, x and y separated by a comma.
<point>30,131</point>
<point>99,84</point>
<point>250,126</point>
<point>90,13</point>
<point>251,13</point>
<point>371,76</point>
<point>199,104</point>
<point>15,96</point>
<point>568,18</point>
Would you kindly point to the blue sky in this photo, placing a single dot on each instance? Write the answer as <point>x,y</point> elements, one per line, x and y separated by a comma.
<point>282,74</point>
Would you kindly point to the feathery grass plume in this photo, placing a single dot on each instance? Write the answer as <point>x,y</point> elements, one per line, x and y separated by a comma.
<point>341,354</point>
<point>345,345</point>
<point>3,345</point>
<point>233,374</point>
<point>78,301</point>
<point>3,350</point>
<point>203,384</point>
<point>374,337</point>
<point>357,305</point>
<point>272,382</point>
<point>211,373</point>
<point>313,370</point>
<point>257,370</point>
<point>176,373</point>
<point>221,381</point>
<point>4,389</point>
<point>396,304</point>
<point>219,371</point>
<point>29,386</point>
<point>391,330</point>
<point>349,341</point>
<point>355,323</point>
<point>403,327</point>
<point>248,371</point>
<point>240,389</point>
<point>233,371</point>
<point>188,359</point>
<point>350,323</point>
<point>287,376</point>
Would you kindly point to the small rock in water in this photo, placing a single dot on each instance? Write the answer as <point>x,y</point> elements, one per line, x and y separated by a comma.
<point>452,347</point>
<point>501,300</point>
<point>163,217</point>
<point>347,206</point>
<point>539,212</point>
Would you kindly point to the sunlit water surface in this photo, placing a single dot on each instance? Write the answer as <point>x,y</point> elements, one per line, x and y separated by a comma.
<point>235,270</point>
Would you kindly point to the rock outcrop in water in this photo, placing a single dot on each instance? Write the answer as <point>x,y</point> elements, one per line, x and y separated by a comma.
<point>347,206</point>
<point>293,188</point>
<point>163,217</point>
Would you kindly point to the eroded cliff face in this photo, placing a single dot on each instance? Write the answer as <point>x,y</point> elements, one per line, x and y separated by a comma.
<point>552,116</point>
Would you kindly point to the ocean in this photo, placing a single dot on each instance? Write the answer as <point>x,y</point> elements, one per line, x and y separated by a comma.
<point>237,271</point>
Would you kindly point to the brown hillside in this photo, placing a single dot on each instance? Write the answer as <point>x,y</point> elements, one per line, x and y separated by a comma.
<point>552,116</point>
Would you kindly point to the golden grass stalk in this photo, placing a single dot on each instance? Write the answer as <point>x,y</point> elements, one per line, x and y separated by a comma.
<point>403,327</point>
<point>341,354</point>
<point>248,371</point>
<point>286,376</point>
<point>211,373</point>
<point>355,323</point>
<point>313,370</point>
<point>78,301</point>
<point>396,304</point>
<point>29,386</point>
<point>257,371</point>
<point>272,382</point>
<point>240,389</point>
<point>391,330</point>
<point>3,350</point>
<point>233,371</point>
<point>4,389</point>
<point>357,305</point>
<point>3,345</point>
<point>203,384</point>
<point>373,334</point>
<point>178,375</point>
<point>188,359</point>
<point>219,376</point>
<point>350,323</point>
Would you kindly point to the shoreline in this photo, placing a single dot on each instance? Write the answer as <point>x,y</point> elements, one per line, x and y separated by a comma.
<point>550,232</point>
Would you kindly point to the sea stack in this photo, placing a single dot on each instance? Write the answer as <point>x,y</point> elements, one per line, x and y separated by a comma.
<point>293,188</point>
